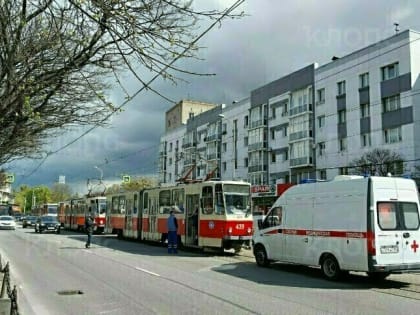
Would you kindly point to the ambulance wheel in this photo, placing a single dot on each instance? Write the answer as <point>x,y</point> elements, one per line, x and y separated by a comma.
<point>261,256</point>
<point>330,267</point>
<point>378,276</point>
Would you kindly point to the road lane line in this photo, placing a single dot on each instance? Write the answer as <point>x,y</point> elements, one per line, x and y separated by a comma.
<point>149,272</point>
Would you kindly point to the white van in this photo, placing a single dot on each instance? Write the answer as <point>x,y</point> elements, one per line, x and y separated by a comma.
<point>351,223</point>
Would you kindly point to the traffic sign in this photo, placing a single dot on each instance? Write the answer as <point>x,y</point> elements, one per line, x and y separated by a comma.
<point>126,178</point>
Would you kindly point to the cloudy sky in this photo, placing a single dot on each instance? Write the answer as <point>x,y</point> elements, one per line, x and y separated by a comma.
<point>274,39</point>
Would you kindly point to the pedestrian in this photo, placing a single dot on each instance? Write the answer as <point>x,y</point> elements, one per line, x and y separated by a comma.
<point>172,233</point>
<point>89,222</point>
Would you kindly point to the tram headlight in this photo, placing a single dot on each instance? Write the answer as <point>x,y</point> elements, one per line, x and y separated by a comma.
<point>249,230</point>
<point>230,230</point>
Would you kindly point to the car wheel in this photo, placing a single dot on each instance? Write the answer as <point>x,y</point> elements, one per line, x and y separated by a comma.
<point>330,268</point>
<point>261,256</point>
<point>58,231</point>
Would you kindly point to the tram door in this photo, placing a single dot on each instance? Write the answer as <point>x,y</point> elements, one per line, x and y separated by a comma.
<point>192,219</point>
<point>128,224</point>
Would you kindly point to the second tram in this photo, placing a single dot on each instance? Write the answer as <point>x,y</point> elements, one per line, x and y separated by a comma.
<point>73,213</point>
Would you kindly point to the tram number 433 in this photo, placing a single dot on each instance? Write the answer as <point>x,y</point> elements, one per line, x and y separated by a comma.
<point>240,226</point>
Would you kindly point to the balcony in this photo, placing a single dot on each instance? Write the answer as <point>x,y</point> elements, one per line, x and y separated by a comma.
<point>210,138</point>
<point>213,156</point>
<point>257,168</point>
<point>189,144</point>
<point>300,135</point>
<point>257,146</point>
<point>300,109</point>
<point>259,123</point>
<point>301,162</point>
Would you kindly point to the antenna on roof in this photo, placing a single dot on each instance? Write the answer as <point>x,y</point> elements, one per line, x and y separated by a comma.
<point>396,28</point>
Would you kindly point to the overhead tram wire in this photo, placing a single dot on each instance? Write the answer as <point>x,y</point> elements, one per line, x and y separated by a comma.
<point>146,85</point>
<point>234,6</point>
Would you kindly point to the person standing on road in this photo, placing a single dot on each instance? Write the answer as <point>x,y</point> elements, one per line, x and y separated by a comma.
<point>89,228</point>
<point>172,233</point>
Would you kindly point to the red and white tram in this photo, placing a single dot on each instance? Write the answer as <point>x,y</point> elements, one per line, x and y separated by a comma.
<point>214,214</point>
<point>76,210</point>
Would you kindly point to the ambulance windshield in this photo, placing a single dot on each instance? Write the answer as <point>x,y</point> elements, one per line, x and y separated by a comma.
<point>236,198</point>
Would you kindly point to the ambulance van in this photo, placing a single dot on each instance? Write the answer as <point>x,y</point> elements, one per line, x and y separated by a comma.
<point>351,223</point>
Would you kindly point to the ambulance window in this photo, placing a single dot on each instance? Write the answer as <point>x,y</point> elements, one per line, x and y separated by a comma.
<point>410,215</point>
<point>387,217</point>
<point>273,218</point>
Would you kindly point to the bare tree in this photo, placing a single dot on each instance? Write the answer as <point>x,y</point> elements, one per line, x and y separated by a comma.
<point>379,162</point>
<point>57,59</point>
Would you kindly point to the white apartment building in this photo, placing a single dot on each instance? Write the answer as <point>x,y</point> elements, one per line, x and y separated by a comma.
<point>369,99</point>
<point>310,124</point>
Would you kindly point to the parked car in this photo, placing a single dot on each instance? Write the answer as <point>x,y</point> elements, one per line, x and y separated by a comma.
<point>47,223</point>
<point>29,221</point>
<point>7,222</point>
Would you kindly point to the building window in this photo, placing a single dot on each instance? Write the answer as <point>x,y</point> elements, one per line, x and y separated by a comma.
<point>389,71</point>
<point>321,121</point>
<point>246,122</point>
<point>322,174</point>
<point>170,161</point>
<point>224,166</point>
<point>273,134</point>
<point>273,157</point>
<point>170,147</point>
<point>365,140</point>
<point>320,96</point>
<point>342,144</point>
<point>273,112</point>
<point>321,148</point>
<point>392,135</point>
<point>246,141</point>
<point>224,147</point>
<point>391,103</point>
<point>364,110</point>
<point>170,176</point>
<point>364,80</point>
<point>341,88</point>
<point>285,131</point>
<point>246,162</point>
<point>224,128</point>
<point>343,171</point>
<point>285,155</point>
<point>342,116</point>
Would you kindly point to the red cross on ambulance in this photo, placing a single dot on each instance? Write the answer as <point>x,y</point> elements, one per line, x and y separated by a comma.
<point>414,246</point>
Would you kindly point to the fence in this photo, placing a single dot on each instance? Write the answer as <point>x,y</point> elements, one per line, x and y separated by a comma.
<point>8,304</point>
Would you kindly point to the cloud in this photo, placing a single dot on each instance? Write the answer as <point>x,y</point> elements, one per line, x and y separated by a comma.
<point>274,39</point>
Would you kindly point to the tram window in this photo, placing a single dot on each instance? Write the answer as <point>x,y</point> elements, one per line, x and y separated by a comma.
<point>178,199</point>
<point>122,204</point>
<point>207,200</point>
<point>135,204</point>
<point>146,202</point>
<point>114,205</point>
<point>165,198</point>
<point>220,206</point>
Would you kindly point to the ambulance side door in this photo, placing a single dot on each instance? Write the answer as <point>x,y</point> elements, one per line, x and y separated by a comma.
<point>272,234</point>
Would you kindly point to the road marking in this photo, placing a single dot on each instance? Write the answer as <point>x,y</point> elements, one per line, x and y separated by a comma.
<point>147,271</point>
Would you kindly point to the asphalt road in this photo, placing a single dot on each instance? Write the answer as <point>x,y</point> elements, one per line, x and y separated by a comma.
<point>55,274</point>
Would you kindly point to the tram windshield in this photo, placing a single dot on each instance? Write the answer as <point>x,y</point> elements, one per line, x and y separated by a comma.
<point>102,206</point>
<point>236,198</point>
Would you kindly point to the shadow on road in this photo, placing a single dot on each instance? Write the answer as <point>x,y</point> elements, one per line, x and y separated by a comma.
<point>302,277</point>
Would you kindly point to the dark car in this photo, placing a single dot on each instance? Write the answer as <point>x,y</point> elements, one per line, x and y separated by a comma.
<point>29,221</point>
<point>47,223</point>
